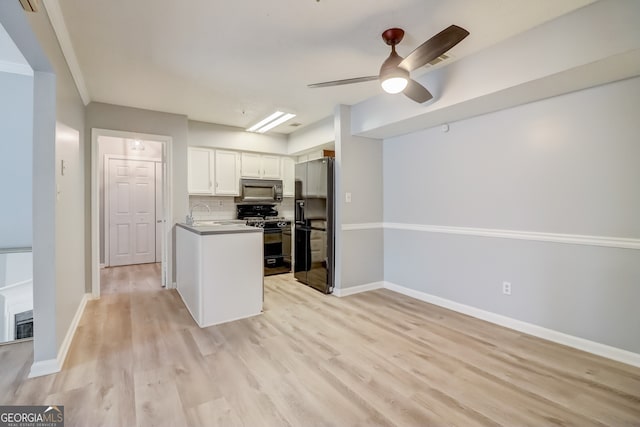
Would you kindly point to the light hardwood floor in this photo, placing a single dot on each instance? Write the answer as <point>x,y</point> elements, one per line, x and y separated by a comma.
<point>376,358</point>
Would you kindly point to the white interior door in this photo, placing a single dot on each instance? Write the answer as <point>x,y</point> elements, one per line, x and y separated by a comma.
<point>132,220</point>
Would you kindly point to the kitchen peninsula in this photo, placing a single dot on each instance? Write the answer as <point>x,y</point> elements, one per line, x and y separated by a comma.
<point>219,271</point>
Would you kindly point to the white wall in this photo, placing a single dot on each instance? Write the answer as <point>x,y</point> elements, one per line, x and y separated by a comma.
<point>565,165</point>
<point>16,152</point>
<point>70,242</point>
<point>232,138</point>
<point>314,135</point>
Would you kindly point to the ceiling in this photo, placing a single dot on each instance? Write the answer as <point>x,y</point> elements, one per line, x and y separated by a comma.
<point>11,59</point>
<point>234,62</point>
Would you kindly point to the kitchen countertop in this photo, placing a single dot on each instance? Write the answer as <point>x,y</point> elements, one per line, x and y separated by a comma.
<point>222,227</point>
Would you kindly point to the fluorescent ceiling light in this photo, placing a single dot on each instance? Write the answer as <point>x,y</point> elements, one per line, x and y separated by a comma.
<point>276,122</point>
<point>270,122</point>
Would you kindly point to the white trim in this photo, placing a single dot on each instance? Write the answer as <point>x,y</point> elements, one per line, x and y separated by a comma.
<point>51,366</point>
<point>44,367</point>
<point>167,149</point>
<point>357,289</point>
<point>62,34</point>
<point>593,347</point>
<point>362,226</point>
<point>16,68</point>
<point>572,239</point>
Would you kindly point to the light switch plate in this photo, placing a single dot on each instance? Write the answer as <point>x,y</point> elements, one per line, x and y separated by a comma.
<point>347,197</point>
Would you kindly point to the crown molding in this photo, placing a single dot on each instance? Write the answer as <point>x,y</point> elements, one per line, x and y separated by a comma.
<point>60,29</point>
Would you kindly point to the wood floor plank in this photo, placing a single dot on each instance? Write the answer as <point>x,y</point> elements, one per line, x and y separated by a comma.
<point>372,359</point>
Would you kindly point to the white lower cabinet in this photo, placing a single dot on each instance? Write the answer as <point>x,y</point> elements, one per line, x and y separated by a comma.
<point>219,276</point>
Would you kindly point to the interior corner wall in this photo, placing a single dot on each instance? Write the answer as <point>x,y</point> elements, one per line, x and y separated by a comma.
<point>360,236</point>
<point>567,166</point>
<point>127,119</point>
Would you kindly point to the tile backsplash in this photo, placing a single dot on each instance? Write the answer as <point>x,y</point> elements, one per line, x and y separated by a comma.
<point>225,207</point>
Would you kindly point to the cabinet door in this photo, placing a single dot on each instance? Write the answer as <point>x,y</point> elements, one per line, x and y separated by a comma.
<point>227,172</point>
<point>271,167</point>
<point>251,165</point>
<point>288,176</point>
<point>200,171</point>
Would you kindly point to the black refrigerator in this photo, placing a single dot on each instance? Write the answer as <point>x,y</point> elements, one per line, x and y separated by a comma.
<point>315,224</point>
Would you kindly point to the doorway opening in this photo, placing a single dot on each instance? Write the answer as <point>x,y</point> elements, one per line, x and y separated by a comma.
<point>131,203</point>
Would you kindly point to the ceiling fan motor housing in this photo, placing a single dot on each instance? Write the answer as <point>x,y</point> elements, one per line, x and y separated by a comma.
<point>390,67</point>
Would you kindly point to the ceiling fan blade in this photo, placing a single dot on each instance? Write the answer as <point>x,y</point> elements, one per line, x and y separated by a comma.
<point>344,82</point>
<point>434,47</point>
<point>417,92</point>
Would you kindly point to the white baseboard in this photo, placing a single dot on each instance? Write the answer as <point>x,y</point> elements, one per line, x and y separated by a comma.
<point>357,289</point>
<point>593,347</point>
<point>51,366</point>
<point>44,367</point>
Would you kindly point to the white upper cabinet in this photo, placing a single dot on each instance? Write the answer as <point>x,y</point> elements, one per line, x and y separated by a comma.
<point>260,166</point>
<point>227,173</point>
<point>200,171</point>
<point>288,166</point>
<point>271,166</point>
<point>251,165</point>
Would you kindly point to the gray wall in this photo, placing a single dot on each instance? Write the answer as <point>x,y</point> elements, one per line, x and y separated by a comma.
<point>565,165</point>
<point>359,166</point>
<point>16,152</point>
<point>67,198</point>
<point>15,22</point>
<point>115,117</point>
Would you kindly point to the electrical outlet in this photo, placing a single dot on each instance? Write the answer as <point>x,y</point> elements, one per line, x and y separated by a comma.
<point>220,203</point>
<point>506,288</point>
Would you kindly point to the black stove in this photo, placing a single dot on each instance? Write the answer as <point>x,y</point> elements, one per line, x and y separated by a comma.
<point>277,236</point>
<point>251,212</point>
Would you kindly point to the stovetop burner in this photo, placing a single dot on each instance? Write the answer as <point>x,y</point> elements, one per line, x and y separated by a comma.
<point>251,212</point>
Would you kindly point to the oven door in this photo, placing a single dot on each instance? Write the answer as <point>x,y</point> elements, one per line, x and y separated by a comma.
<point>275,261</point>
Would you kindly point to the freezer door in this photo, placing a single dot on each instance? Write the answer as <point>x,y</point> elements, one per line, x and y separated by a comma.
<point>302,256</point>
<point>317,276</point>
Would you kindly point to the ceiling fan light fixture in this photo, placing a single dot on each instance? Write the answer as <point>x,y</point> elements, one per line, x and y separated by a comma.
<point>394,84</point>
<point>393,79</point>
